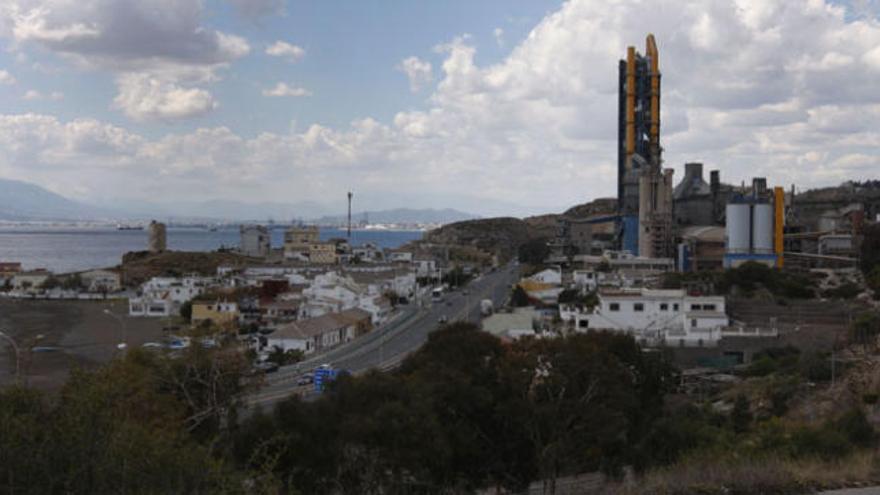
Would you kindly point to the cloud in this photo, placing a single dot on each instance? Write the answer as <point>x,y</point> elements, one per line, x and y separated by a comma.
<point>418,72</point>
<point>143,97</point>
<point>147,40</point>
<point>6,78</point>
<point>292,53</point>
<point>33,94</point>
<point>282,89</point>
<point>498,34</point>
<point>782,89</point>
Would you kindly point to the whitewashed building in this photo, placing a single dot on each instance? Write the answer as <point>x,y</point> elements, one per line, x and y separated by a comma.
<point>101,281</point>
<point>670,317</point>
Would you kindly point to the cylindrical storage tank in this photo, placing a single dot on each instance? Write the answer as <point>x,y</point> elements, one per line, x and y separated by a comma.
<point>762,229</point>
<point>737,232</point>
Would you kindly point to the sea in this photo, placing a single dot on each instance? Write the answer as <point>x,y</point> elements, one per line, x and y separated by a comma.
<point>70,249</point>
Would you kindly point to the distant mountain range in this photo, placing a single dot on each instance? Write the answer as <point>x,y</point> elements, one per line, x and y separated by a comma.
<point>26,201</point>
<point>23,201</point>
<point>400,215</point>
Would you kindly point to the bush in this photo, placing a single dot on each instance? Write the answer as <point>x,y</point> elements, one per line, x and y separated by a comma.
<point>854,426</point>
<point>816,367</point>
<point>823,443</point>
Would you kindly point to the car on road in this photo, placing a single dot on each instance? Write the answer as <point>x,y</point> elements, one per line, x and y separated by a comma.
<point>266,367</point>
<point>464,292</point>
<point>306,379</point>
<point>152,345</point>
<point>442,319</point>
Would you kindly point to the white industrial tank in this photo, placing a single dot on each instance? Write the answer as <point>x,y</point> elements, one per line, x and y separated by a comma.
<point>737,231</point>
<point>762,228</point>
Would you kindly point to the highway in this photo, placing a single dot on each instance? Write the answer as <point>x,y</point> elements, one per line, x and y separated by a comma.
<point>385,347</point>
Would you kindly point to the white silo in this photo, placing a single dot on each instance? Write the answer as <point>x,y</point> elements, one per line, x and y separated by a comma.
<point>762,228</point>
<point>737,230</point>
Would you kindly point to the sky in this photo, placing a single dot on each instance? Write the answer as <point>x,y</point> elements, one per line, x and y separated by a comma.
<point>492,107</point>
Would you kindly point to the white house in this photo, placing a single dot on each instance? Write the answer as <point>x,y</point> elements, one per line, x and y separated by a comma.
<point>321,333</point>
<point>400,256</point>
<point>101,281</point>
<point>551,276</point>
<point>30,281</point>
<point>140,306</point>
<point>655,316</point>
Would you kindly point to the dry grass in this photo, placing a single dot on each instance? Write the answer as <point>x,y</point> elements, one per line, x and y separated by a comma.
<point>753,476</point>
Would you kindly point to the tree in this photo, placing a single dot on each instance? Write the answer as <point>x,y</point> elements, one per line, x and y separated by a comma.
<point>282,358</point>
<point>519,297</point>
<point>186,310</point>
<point>865,328</point>
<point>534,251</point>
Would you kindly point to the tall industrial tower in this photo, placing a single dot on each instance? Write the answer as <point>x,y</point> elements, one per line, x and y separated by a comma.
<point>644,190</point>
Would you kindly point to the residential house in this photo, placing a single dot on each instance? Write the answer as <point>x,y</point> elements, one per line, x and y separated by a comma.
<point>278,313</point>
<point>8,270</point>
<point>368,253</point>
<point>320,333</point>
<point>101,281</point>
<point>30,281</point>
<point>552,276</point>
<point>323,253</point>
<point>219,312</point>
<point>139,306</point>
<point>400,256</point>
<point>297,241</point>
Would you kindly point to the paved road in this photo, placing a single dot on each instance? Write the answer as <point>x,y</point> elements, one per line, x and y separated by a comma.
<point>387,346</point>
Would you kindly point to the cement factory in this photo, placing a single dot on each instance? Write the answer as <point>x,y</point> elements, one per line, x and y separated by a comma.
<point>700,225</point>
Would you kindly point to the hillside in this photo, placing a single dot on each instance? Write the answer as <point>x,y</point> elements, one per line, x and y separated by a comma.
<point>505,235</point>
<point>138,267</point>
<point>24,201</point>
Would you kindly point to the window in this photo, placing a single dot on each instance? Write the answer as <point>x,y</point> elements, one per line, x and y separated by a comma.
<point>664,307</point>
<point>709,307</point>
<point>694,323</point>
<point>638,307</point>
<point>583,323</point>
<point>614,307</point>
<point>675,307</point>
<point>696,307</point>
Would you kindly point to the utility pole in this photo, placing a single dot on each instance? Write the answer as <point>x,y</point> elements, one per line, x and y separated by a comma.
<point>350,194</point>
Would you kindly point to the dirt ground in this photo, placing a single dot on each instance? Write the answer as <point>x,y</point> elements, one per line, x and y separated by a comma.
<point>55,336</point>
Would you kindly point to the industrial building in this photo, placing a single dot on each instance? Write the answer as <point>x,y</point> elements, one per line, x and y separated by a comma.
<point>644,190</point>
<point>754,230</point>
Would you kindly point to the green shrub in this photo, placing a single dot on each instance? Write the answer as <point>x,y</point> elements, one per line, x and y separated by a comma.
<point>823,443</point>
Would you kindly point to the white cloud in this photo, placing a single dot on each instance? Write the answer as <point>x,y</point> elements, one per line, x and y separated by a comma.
<point>282,89</point>
<point>144,97</point>
<point>498,33</point>
<point>784,89</point>
<point>33,94</point>
<point>6,78</point>
<point>418,72</point>
<point>291,52</point>
<point>147,40</point>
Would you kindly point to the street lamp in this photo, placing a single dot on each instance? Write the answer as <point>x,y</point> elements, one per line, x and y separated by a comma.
<point>122,345</point>
<point>17,356</point>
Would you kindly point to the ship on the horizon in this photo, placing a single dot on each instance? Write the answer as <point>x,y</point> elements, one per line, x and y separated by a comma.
<point>120,226</point>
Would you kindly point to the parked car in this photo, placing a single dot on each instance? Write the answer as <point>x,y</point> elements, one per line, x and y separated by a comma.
<point>306,379</point>
<point>442,319</point>
<point>152,345</point>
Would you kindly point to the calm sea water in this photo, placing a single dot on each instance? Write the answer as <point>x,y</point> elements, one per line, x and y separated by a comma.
<point>73,249</point>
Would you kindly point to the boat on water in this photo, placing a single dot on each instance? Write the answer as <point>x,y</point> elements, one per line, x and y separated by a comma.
<point>119,226</point>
